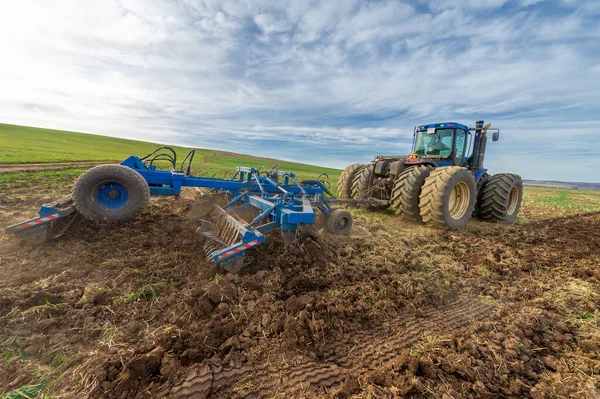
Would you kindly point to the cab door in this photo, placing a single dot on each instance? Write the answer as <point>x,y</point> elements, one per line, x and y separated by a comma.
<point>460,146</point>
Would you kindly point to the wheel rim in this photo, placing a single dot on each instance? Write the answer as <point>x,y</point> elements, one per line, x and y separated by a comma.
<point>112,195</point>
<point>513,200</point>
<point>460,197</point>
<point>342,223</point>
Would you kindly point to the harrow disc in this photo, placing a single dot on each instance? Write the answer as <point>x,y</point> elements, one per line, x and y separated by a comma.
<point>222,234</point>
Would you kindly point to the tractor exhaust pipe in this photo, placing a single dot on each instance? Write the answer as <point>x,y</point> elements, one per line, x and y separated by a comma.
<point>480,143</point>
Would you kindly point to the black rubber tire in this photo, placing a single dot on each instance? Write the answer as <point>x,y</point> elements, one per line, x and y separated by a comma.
<point>436,194</point>
<point>497,198</point>
<point>480,185</point>
<point>362,186</point>
<point>84,193</point>
<point>339,222</point>
<point>362,182</point>
<point>345,180</point>
<point>407,189</point>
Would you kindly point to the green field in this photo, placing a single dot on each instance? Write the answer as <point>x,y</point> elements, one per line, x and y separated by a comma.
<point>562,200</point>
<point>22,144</point>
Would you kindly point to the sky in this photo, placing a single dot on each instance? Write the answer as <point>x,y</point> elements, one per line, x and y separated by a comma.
<point>329,82</point>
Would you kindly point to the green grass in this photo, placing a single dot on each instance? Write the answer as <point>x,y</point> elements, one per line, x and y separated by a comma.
<point>146,293</point>
<point>26,391</point>
<point>565,199</point>
<point>22,144</point>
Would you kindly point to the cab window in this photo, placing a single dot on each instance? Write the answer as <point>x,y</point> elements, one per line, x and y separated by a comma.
<point>461,139</point>
<point>435,144</point>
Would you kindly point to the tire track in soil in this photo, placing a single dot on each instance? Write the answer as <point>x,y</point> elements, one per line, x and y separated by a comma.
<point>47,166</point>
<point>367,351</point>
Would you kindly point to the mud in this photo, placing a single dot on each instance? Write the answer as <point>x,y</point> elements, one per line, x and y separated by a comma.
<point>394,310</point>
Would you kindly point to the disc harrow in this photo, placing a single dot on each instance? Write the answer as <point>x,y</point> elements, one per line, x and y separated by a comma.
<point>260,201</point>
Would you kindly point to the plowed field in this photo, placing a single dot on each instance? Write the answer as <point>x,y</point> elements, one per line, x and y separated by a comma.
<point>393,310</point>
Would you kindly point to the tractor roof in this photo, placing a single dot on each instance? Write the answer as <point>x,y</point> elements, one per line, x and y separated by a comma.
<point>443,125</point>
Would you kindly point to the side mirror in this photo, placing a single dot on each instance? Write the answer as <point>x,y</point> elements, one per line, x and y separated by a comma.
<point>495,136</point>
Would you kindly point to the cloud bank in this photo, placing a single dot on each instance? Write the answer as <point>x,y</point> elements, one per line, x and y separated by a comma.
<point>326,82</point>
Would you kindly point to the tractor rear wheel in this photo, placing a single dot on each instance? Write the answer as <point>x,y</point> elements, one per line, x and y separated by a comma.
<point>480,185</point>
<point>501,198</point>
<point>345,180</point>
<point>362,186</point>
<point>110,193</point>
<point>448,197</point>
<point>361,183</point>
<point>407,189</point>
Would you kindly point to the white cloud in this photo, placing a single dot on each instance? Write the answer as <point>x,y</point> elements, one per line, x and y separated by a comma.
<point>346,76</point>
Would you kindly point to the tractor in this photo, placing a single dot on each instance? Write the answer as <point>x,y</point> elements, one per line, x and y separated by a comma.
<point>441,183</point>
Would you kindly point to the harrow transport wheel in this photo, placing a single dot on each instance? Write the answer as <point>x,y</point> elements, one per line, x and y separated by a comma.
<point>448,197</point>
<point>339,222</point>
<point>480,185</point>
<point>111,193</point>
<point>345,180</point>
<point>501,198</point>
<point>407,189</point>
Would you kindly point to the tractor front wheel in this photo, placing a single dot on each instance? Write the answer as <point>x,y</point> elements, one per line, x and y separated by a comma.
<point>345,180</point>
<point>501,198</point>
<point>111,193</point>
<point>447,199</point>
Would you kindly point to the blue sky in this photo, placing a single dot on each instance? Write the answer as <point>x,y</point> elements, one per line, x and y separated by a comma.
<point>325,82</point>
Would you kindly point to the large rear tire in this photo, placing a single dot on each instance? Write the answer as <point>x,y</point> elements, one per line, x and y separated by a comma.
<point>480,185</point>
<point>407,189</point>
<point>448,197</point>
<point>362,187</point>
<point>345,180</point>
<point>111,193</point>
<point>361,184</point>
<point>501,198</point>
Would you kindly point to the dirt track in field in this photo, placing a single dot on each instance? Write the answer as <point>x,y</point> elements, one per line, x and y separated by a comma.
<point>394,310</point>
<point>36,167</point>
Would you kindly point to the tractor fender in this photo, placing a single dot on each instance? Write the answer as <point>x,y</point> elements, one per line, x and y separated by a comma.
<point>398,167</point>
<point>382,168</point>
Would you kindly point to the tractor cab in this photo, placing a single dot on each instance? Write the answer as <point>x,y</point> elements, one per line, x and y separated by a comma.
<point>450,144</point>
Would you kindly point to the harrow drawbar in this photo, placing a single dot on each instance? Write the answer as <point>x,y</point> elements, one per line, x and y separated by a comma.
<point>260,201</point>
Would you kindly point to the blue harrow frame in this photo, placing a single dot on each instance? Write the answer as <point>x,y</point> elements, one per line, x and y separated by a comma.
<point>276,199</point>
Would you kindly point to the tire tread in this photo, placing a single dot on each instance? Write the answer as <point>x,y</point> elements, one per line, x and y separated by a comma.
<point>496,195</point>
<point>407,189</point>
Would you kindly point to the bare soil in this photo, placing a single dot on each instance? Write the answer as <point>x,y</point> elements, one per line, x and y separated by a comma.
<point>393,310</point>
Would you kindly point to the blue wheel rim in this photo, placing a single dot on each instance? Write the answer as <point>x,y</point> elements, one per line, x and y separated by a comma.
<point>112,196</point>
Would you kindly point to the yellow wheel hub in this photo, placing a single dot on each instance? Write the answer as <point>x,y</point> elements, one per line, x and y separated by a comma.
<point>513,200</point>
<point>460,197</point>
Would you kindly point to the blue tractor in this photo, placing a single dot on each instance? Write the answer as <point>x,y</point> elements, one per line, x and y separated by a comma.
<point>442,182</point>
